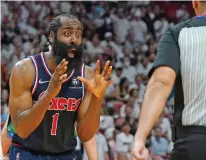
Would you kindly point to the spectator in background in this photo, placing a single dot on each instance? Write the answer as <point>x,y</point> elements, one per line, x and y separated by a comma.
<point>160,25</point>
<point>109,42</point>
<point>148,18</point>
<point>93,48</point>
<point>143,68</point>
<point>117,74</point>
<point>109,134</point>
<point>121,25</point>
<point>139,27</point>
<point>123,88</point>
<point>107,120</point>
<point>4,77</point>
<point>182,13</point>
<point>165,125</point>
<point>128,71</point>
<point>159,144</point>
<point>124,140</point>
<point>17,53</point>
<point>118,125</point>
<point>134,93</point>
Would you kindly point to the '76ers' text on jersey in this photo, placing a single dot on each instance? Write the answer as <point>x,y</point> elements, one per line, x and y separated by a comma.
<point>56,132</point>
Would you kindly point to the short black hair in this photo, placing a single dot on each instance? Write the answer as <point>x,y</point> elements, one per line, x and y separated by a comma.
<point>56,22</point>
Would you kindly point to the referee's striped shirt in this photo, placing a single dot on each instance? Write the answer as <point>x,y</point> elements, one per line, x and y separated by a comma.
<point>183,48</point>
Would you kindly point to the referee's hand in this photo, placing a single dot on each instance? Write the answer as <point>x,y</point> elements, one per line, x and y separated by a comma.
<point>139,151</point>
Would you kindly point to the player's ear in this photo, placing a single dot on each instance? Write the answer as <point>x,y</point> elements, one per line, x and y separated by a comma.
<point>51,36</point>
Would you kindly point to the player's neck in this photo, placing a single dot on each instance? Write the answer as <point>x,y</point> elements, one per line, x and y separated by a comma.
<point>50,61</point>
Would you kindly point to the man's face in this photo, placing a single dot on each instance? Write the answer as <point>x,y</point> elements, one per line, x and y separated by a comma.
<point>126,128</point>
<point>145,62</point>
<point>67,43</point>
<point>128,111</point>
<point>158,132</point>
<point>119,72</point>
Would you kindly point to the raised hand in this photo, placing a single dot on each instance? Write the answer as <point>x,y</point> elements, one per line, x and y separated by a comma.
<point>100,82</point>
<point>58,77</point>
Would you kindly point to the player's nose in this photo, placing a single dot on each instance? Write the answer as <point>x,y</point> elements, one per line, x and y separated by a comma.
<point>73,40</point>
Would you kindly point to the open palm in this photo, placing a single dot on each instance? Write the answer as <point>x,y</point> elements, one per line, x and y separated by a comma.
<point>100,82</point>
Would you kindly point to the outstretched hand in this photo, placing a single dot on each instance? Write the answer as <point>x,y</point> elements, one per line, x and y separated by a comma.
<point>100,82</point>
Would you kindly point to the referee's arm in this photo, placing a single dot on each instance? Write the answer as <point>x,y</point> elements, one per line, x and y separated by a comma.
<point>163,74</point>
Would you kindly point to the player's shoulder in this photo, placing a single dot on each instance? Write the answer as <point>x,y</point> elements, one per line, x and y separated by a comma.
<point>23,71</point>
<point>23,66</point>
<point>89,72</point>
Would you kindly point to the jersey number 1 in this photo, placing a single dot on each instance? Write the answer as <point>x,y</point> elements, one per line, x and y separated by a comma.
<point>54,124</point>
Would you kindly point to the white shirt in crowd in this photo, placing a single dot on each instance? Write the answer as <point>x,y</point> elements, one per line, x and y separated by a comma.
<point>124,142</point>
<point>106,122</point>
<point>160,27</point>
<point>166,127</point>
<point>140,29</point>
<point>130,73</point>
<point>121,27</point>
<point>93,50</point>
<point>140,69</point>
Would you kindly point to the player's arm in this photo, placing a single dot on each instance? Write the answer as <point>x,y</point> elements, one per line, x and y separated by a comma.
<point>5,141</point>
<point>91,149</point>
<point>88,113</point>
<point>90,108</point>
<point>164,72</point>
<point>25,116</point>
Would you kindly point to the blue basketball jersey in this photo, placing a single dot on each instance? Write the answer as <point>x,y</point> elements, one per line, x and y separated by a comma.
<point>56,132</point>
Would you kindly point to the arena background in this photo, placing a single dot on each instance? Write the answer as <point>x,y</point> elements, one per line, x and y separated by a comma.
<point>126,33</point>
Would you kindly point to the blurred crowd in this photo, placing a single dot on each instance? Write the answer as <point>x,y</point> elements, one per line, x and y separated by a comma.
<point>127,34</point>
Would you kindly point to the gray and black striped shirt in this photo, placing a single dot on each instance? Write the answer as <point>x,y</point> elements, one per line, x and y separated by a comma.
<point>183,48</point>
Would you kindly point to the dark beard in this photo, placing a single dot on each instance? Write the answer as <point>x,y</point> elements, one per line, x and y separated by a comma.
<point>60,52</point>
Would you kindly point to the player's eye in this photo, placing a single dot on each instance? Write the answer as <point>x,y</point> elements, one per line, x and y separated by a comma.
<point>67,34</point>
<point>78,34</point>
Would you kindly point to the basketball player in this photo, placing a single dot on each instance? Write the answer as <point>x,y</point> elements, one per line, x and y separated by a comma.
<point>90,146</point>
<point>180,63</point>
<point>51,91</point>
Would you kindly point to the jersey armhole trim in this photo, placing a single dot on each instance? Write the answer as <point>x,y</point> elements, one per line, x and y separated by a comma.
<point>83,75</point>
<point>35,83</point>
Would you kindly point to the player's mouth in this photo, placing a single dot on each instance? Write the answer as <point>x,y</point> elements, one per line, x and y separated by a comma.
<point>71,53</point>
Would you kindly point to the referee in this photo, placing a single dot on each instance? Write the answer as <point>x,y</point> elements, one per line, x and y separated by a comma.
<point>180,62</point>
